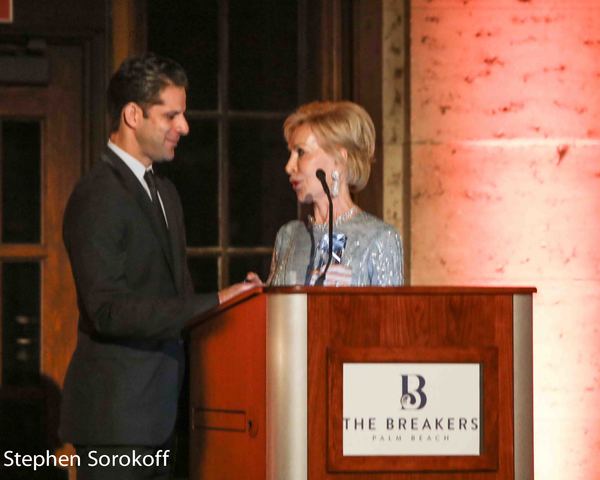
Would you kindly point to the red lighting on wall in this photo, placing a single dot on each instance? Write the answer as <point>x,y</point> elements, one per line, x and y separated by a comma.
<point>505,169</point>
<point>6,11</point>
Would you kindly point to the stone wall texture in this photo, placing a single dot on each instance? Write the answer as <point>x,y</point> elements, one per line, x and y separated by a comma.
<point>504,182</point>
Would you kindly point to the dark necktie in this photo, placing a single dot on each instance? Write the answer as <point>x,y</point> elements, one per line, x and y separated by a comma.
<point>151,182</point>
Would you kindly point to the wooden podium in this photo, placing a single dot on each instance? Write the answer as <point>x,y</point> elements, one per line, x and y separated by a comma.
<point>267,386</point>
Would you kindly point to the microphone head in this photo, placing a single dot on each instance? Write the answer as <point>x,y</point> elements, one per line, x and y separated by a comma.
<point>321,176</point>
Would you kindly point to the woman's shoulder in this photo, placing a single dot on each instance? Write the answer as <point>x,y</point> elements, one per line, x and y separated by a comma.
<point>290,227</point>
<point>375,225</point>
<point>287,231</point>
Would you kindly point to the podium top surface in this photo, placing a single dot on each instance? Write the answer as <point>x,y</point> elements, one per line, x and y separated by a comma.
<point>412,290</point>
<point>352,291</point>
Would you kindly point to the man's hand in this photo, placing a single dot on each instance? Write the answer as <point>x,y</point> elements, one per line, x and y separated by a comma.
<point>252,280</point>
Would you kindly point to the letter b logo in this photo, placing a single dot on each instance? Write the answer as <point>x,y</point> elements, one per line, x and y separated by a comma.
<point>413,396</point>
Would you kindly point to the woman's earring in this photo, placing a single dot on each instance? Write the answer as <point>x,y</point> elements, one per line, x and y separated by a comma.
<point>335,185</point>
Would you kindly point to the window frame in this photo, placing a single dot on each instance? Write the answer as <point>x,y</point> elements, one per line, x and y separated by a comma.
<point>339,57</point>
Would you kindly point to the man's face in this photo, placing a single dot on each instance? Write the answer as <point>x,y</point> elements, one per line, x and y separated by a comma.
<point>163,125</point>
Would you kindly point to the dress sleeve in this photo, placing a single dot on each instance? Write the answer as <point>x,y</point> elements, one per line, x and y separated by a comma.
<point>272,280</point>
<point>385,259</point>
<point>283,244</point>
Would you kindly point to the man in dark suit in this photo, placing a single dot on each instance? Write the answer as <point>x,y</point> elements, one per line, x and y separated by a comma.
<point>124,231</point>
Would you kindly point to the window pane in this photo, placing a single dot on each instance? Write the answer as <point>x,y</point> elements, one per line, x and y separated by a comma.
<point>240,266</point>
<point>261,197</point>
<point>263,54</point>
<point>20,323</point>
<point>20,165</point>
<point>204,274</point>
<point>195,174</point>
<point>187,31</point>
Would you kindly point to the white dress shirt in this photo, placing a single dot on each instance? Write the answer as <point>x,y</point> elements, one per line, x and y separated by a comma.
<point>138,170</point>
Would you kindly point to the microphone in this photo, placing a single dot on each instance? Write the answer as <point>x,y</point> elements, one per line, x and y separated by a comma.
<point>321,176</point>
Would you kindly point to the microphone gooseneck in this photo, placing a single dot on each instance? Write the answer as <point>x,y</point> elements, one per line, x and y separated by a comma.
<point>321,176</point>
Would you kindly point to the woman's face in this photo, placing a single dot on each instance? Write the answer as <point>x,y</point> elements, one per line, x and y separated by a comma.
<point>306,157</point>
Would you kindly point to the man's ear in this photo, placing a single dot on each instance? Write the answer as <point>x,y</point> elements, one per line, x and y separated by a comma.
<point>132,115</point>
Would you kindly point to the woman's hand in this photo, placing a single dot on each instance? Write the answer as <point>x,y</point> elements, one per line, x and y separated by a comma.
<point>338,275</point>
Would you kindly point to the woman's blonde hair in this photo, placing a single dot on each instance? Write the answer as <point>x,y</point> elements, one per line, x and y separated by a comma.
<point>339,125</point>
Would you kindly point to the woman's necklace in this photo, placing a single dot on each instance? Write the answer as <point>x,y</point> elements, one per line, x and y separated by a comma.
<point>348,214</point>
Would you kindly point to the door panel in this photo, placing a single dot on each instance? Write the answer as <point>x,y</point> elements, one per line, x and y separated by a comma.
<point>49,330</point>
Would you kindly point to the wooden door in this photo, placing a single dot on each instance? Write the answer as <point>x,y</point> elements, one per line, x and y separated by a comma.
<point>41,145</point>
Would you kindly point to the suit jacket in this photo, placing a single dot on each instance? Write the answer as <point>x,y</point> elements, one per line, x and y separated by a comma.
<point>134,294</point>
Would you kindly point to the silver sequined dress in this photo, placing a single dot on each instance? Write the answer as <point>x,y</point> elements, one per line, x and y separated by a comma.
<point>373,251</point>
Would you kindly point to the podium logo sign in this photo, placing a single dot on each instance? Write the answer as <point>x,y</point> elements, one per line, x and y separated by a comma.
<point>409,398</point>
<point>398,409</point>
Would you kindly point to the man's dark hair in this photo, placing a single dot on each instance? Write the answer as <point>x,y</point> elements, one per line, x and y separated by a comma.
<point>140,79</point>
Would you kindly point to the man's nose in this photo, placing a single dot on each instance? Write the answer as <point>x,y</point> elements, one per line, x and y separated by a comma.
<point>183,127</point>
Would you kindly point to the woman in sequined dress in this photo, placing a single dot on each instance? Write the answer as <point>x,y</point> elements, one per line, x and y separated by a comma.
<point>339,138</point>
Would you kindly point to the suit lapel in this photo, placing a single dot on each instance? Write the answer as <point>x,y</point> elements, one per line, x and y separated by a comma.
<point>133,186</point>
